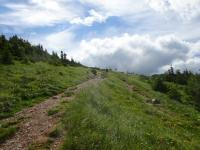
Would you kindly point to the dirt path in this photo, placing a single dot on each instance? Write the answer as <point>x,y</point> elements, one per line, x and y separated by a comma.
<point>37,123</point>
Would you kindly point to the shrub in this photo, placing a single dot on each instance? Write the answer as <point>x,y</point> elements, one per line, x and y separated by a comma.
<point>173,93</point>
<point>6,58</point>
<point>7,103</point>
<point>25,61</point>
<point>94,71</point>
<point>158,85</point>
<point>193,89</point>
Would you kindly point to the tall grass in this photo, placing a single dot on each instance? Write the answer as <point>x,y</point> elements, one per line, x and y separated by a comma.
<point>110,116</point>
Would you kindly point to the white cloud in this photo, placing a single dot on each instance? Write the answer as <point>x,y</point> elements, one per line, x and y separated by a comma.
<point>58,41</point>
<point>138,53</point>
<point>159,5</point>
<point>88,21</point>
<point>39,13</point>
<point>187,9</point>
<point>116,7</point>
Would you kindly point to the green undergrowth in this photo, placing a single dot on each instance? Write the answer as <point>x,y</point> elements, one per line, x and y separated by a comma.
<point>111,115</point>
<point>23,85</point>
<point>7,130</point>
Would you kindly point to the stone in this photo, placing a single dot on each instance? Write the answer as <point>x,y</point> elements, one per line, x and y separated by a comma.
<point>55,97</point>
<point>155,101</point>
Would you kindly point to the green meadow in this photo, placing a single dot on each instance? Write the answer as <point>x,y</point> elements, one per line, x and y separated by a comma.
<point>115,114</point>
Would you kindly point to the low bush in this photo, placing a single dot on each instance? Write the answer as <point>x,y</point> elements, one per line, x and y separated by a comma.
<point>173,93</point>
<point>193,90</point>
<point>94,71</point>
<point>7,103</point>
<point>159,85</point>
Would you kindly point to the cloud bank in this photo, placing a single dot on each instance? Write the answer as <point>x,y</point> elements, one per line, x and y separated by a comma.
<point>187,9</point>
<point>140,54</point>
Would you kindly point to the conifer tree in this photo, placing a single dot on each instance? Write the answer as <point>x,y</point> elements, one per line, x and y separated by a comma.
<point>65,56</point>
<point>62,55</point>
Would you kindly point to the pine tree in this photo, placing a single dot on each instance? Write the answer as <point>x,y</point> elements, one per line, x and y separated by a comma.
<point>65,56</point>
<point>62,55</point>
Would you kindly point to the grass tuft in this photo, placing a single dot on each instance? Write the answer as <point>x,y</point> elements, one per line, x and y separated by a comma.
<point>53,111</point>
<point>7,130</point>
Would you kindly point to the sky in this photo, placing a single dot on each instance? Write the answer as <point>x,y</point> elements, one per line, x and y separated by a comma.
<point>141,36</point>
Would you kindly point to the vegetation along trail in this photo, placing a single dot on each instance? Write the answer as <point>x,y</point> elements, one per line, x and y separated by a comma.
<point>36,123</point>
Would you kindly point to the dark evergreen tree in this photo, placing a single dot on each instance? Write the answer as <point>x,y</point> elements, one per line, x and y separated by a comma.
<point>6,57</point>
<point>171,70</point>
<point>62,55</point>
<point>16,47</point>
<point>65,56</point>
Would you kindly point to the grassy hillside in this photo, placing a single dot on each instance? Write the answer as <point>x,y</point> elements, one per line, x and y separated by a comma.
<point>22,85</point>
<point>116,114</point>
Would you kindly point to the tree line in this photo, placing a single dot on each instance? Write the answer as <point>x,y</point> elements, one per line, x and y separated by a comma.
<point>18,49</point>
<point>179,85</point>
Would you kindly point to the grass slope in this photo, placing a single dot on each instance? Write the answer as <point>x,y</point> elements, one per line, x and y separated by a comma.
<point>115,115</point>
<point>22,85</point>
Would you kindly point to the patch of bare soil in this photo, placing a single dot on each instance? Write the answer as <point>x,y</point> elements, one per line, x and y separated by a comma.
<point>37,123</point>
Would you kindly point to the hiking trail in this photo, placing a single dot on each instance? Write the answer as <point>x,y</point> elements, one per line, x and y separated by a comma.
<point>36,124</point>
